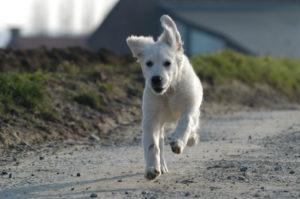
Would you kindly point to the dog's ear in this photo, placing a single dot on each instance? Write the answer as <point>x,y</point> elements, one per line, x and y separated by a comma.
<point>137,44</point>
<point>171,35</point>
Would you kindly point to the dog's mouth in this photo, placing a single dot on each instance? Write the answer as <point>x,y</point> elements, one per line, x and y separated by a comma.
<point>158,89</point>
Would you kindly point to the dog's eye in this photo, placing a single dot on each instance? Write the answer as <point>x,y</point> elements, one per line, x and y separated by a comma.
<point>167,63</point>
<point>149,63</point>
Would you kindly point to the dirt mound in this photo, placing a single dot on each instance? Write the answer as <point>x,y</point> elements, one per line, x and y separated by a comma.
<point>82,96</point>
<point>50,59</point>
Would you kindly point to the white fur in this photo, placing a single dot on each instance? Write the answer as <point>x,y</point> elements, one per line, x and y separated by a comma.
<point>180,98</point>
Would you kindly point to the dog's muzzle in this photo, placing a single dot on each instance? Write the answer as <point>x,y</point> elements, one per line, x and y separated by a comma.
<point>156,82</point>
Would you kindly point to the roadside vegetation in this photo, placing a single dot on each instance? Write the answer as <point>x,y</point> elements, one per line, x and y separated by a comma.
<point>23,92</point>
<point>283,75</point>
<point>71,93</point>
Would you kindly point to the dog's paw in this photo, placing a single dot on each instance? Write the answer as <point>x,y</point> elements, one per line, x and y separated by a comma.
<point>177,146</point>
<point>164,168</point>
<point>152,173</point>
<point>193,140</point>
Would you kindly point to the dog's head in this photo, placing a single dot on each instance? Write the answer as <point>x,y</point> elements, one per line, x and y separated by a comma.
<point>161,59</point>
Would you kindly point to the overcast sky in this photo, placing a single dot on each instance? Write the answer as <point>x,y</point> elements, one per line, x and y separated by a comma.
<point>23,14</point>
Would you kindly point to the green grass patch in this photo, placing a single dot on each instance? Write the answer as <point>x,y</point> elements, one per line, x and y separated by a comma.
<point>90,99</point>
<point>105,87</point>
<point>21,90</point>
<point>87,95</point>
<point>224,67</point>
<point>25,93</point>
<point>68,67</point>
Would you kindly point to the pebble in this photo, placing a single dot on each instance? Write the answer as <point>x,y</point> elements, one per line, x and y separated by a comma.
<point>93,195</point>
<point>243,168</point>
<point>78,174</point>
<point>50,145</point>
<point>277,168</point>
<point>4,173</point>
<point>241,178</point>
<point>94,137</point>
<point>187,181</point>
<point>291,172</point>
<point>187,194</point>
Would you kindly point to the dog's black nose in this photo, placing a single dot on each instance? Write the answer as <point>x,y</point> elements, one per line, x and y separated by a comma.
<point>156,80</point>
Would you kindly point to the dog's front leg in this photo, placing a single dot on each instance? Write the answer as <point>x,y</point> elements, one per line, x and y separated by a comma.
<point>185,126</point>
<point>163,163</point>
<point>151,138</point>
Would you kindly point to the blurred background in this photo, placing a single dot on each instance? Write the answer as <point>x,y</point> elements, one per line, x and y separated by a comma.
<point>67,73</point>
<point>52,23</point>
<point>267,27</point>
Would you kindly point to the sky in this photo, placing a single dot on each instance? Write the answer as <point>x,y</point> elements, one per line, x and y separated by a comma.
<point>53,17</point>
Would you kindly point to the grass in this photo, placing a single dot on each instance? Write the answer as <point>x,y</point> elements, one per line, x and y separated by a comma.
<point>68,67</point>
<point>88,95</point>
<point>91,99</point>
<point>104,87</point>
<point>21,90</point>
<point>224,67</point>
<point>25,93</point>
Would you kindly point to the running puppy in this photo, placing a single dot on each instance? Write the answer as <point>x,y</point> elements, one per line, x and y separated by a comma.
<point>173,93</point>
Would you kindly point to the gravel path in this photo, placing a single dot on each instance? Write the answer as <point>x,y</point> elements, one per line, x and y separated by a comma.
<point>241,155</point>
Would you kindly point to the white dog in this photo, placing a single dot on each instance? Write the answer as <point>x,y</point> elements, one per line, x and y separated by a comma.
<point>173,93</point>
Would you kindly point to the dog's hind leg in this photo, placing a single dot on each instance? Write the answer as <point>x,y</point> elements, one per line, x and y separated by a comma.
<point>194,136</point>
<point>193,139</point>
<point>163,164</point>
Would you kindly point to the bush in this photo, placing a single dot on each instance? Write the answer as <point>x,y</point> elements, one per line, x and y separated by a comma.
<point>224,67</point>
<point>23,90</point>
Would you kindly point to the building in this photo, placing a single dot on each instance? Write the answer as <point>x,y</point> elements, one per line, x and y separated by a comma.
<point>29,42</point>
<point>259,27</point>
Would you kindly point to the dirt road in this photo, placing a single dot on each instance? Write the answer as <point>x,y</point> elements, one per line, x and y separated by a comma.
<point>241,155</point>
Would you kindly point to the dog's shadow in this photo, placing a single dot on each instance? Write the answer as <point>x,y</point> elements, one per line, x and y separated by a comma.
<point>68,189</point>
